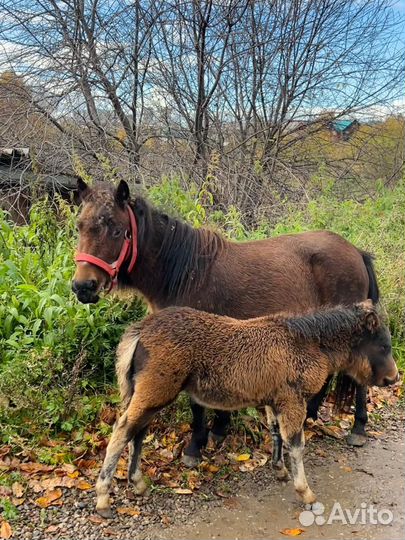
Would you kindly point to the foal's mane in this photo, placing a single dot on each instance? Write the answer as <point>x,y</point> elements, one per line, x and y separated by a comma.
<point>327,324</point>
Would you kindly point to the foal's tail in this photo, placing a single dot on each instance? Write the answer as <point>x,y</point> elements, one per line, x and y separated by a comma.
<point>373,291</point>
<point>124,366</point>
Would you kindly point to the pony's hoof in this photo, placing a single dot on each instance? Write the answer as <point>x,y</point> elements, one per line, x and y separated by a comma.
<point>190,461</point>
<point>356,439</point>
<point>106,513</point>
<point>215,440</point>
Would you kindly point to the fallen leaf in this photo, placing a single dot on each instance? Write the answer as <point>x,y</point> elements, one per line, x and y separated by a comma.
<point>134,512</point>
<point>332,431</point>
<point>309,434</point>
<point>5,491</point>
<point>121,474</point>
<point>375,434</point>
<point>86,463</point>
<point>320,452</point>
<point>31,468</point>
<point>17,501</point>
<point>49,498</point>
<point>213,468</point>
<point>68,468</point>
<point>73,474</point>
<point>5,530</point>
<point>183,491</point>
<point>108,531</point>
<point>346,468</point>
<point>243,457</point>
<point>166,520</point>
<point>83,485</point>
<point>222,494</point>
<point>17,489</point>
<point>52,529</point>
<point>97,519</point>
<point>292,532</point>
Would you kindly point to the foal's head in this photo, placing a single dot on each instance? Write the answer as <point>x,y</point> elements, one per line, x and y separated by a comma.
<point>103,224</point>
<point>371,360</point>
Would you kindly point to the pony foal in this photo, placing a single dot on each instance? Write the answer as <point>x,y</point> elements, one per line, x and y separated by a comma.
<point>278,361</point>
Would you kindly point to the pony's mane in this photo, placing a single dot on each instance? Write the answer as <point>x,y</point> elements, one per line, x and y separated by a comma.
<point>326,324</point>
<point>186,255</point>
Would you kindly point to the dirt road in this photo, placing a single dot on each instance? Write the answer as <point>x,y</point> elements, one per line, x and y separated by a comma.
<point>250,505</point>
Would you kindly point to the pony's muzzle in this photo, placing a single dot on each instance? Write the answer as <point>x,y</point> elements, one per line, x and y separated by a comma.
<point>86,291</point>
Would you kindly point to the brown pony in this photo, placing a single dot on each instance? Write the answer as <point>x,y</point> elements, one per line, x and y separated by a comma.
<point>278,361</point>
<point>173,264</point>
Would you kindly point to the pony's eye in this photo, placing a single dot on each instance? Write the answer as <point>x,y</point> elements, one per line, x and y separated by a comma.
<point>117,233</point>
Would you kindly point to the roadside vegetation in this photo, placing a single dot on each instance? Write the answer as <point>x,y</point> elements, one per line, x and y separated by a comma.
<point>57,355</point>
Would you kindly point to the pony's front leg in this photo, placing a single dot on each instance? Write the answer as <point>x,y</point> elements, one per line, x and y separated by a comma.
<point>358,435</point>
<point>277,457</point>
<point>291,422</point>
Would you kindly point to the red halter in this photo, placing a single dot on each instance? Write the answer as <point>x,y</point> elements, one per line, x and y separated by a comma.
<point>129,249</point>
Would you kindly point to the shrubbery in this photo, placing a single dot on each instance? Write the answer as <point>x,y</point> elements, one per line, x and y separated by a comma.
<point>57,354</point>
<point>51,345</point>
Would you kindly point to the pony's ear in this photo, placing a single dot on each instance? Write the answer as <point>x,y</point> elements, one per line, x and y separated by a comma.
<point>122,193</point>
<point>82,190</point>
<point>372,321</point>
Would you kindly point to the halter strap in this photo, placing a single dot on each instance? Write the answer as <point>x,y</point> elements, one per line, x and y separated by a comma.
<point>129,249</point>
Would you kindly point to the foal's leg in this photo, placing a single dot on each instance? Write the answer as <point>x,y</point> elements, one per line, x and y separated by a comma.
<point>220,425</point>
<point>130,424</point>
<point>134,463</point>
<point>291,421</point>
<point>316,401</point>
<point>358,436</point>
<point>199,437</point>
<point>277,452</point>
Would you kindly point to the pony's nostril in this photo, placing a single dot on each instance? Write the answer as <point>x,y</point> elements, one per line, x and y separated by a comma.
<point>91,284</point>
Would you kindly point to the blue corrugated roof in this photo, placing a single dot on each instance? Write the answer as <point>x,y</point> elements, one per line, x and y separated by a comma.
<point>342,125</point>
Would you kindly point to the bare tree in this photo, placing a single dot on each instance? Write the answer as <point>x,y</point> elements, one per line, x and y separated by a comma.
<point>162,85</point>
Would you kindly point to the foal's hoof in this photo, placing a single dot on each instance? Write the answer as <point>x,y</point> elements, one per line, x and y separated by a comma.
<point>356,439</point>
<point>106,513</point>
<point>215,440</point>
<point>139,487</point>
<point>190,461</point>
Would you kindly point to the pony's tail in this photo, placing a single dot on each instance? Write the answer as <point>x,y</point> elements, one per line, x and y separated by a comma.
<point>124,366</point>
<point>373,290</point>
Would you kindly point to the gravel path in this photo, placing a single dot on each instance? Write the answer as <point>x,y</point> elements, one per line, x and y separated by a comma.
<point>242,505</point>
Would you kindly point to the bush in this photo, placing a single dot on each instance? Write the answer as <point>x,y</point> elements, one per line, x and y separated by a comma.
<point>51,345</point>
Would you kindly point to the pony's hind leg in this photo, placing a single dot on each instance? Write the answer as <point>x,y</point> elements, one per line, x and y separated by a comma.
<point>219,426</point>
<point>134,470</point>
<point>291,420</point>
<point>278,464</point>
<point>130,424</point>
